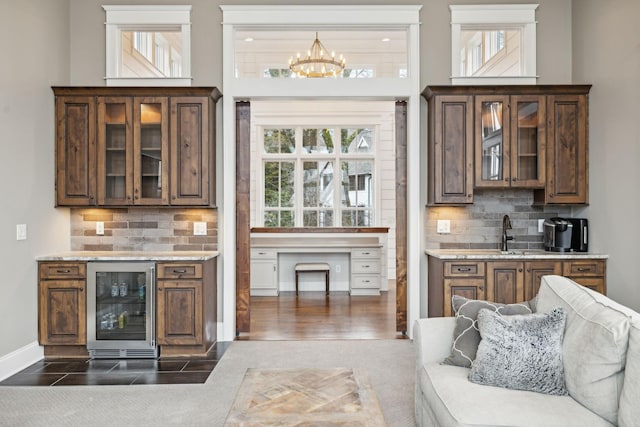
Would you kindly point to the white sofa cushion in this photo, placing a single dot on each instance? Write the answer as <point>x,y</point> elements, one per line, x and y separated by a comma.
<point>629,413</point>
<point>452,400</point>
<point>595,343</point>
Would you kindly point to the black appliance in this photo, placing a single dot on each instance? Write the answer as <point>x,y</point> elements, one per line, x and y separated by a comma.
<point>557,234</point>
<point>579,234</point>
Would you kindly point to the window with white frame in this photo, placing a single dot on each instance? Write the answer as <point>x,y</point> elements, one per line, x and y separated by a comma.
<point>148,45</point>
<point>317,176</point>
<point>493,44</point>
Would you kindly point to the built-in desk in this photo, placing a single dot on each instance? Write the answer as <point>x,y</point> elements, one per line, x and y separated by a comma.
<point>365,259</point>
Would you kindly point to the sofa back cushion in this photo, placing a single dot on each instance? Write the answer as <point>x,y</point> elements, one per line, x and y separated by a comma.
<point>595,343</point>
<point>629,412</point>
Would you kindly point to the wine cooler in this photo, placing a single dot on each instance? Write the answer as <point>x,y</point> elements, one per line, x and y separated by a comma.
<point>121,310</point>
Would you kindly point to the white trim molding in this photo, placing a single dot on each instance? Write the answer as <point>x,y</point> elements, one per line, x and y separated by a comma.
<point>19,359</point>
<point>337,17</point>
<point>494,16</point>
<point>149,18</point>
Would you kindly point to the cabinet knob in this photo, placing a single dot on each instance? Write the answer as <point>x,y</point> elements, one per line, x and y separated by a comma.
<point>520,270</point>
<point>81,289</point>
<point>515,178</point>
<point>159,289</point>
<point>506,180</point>
<point>551,195</point>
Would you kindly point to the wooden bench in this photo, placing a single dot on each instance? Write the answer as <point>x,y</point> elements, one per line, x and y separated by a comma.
<point>317,267</point>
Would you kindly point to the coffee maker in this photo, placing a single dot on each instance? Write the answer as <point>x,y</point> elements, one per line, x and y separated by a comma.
<point>557,234</point>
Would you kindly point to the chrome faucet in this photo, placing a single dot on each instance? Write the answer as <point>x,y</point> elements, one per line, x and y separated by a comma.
<point>506,225</point>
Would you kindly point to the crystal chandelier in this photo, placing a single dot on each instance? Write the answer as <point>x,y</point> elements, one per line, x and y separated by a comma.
<point>315,64</point>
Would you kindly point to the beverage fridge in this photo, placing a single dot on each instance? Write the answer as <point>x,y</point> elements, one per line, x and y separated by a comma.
<point>121,310</point>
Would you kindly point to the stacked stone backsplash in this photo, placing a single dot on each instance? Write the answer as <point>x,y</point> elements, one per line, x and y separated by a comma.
<point>479,226</point>
<point>143,229</point>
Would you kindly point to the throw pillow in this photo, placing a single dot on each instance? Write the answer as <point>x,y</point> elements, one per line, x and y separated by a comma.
<point>521,352</point>
<point>466,336</point>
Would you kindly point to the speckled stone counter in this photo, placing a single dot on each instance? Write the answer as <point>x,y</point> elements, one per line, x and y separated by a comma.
<point>129,256</point>
<point>496,254</point>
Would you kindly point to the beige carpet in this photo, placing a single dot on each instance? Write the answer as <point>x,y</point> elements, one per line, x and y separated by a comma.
<point>389,364</point>
<point>306,397</point>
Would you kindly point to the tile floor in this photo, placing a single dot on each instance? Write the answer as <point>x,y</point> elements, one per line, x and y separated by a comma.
<point>60,372</point>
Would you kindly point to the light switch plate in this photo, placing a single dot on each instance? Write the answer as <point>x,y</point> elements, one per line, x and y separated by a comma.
<point>100,228</point>
<point>541,226</point>
<point>443,226</point>
<point>199,228</point>
<point>21,232</point>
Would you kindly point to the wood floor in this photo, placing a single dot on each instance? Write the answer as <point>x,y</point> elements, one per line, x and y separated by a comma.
<point>315,316</point>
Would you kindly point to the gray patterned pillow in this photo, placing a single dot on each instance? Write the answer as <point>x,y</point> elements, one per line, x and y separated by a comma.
<point>466,336</point>
<point>521,352</point>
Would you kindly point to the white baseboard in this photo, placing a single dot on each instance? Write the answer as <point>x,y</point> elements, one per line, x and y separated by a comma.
<point>19,359</point>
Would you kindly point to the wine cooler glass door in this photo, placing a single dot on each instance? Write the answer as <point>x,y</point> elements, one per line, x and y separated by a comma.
<point>120,309</point>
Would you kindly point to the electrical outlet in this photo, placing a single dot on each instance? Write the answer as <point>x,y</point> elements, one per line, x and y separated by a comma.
<point>100,228</point>
<point>199,228</point>
<point>443,226</point>
<point>541,226</point>
<point>21,232</point>
<point>338,268</point>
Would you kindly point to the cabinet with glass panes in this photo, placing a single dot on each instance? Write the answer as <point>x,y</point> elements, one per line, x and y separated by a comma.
<point>113,146</point>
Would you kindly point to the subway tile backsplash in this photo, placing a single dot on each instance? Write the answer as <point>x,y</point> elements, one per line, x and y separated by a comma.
<point>143,229</point>
<point>479,226</point>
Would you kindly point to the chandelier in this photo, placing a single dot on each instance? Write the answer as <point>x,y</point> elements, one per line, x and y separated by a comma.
<point>315,64</point>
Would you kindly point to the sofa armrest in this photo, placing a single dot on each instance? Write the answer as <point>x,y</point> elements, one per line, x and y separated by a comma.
<point>433,338</point>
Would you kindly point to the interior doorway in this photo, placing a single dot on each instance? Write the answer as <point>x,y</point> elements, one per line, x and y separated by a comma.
<point>311,315</point>
<point>372,74</point>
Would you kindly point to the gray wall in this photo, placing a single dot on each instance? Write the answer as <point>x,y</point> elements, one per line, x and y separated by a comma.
<point>35,46</point>
<point>606,53</point>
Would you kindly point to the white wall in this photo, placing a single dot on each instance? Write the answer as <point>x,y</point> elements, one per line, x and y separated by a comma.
<point>606,53</point>
<point>35,47</point>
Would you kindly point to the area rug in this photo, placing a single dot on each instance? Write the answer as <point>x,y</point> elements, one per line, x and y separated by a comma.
<point>305,397</point>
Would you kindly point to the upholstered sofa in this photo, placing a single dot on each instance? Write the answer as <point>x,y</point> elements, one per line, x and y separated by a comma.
<point>600,354</point>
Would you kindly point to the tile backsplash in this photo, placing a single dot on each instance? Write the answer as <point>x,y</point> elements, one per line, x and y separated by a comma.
<point>479,226</point>
<point>143,229</point>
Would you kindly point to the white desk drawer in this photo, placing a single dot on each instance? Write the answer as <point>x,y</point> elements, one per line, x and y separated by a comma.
<point>365,253</point>
<point>258,253</point>
<point>365,282</point>
<point>359,266</point>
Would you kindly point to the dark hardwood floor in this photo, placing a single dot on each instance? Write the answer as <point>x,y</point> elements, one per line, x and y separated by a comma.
<point>315,316</point>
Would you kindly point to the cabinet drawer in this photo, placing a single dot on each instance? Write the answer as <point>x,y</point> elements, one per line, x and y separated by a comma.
<point>365,253</point>
<point>365,281</point>
<point>365,266</point>
<point>63,270</point>
<point>179,271</point>
<point>464,269</point>
<point>583,268</point>
<point>257,253</point>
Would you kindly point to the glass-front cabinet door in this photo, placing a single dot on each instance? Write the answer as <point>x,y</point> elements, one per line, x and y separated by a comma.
<point>151,184</point>
<point>115,145</point>
<point>492,141</point>
<point>528,141</point>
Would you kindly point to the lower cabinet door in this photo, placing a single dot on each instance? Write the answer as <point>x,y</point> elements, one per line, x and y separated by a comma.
<point>468,288</point>
<point>533,272</point>
<point>63,313</point>
<point>505,282</point>
<point>180,308</point>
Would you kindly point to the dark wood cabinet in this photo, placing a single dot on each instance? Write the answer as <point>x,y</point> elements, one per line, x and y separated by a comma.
<point>186,307</point>
<point>135,146</point>
<point>62,301</point>
<point>533,272</point>
<point>510,141</point>
<point>523,137</point>
<point>75,151</point>
<point>568,150</point>
<point>192,158</point>
<point>450,148</point>
<point>505,280</point>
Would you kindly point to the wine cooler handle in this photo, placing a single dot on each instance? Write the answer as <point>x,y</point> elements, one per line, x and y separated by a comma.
<point>151,294</point>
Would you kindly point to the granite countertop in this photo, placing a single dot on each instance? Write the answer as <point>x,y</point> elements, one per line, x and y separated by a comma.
<point>511,254</point>
<point>129,256</point>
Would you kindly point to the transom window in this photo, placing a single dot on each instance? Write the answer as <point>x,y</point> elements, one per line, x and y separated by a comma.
<point>318,176</point>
